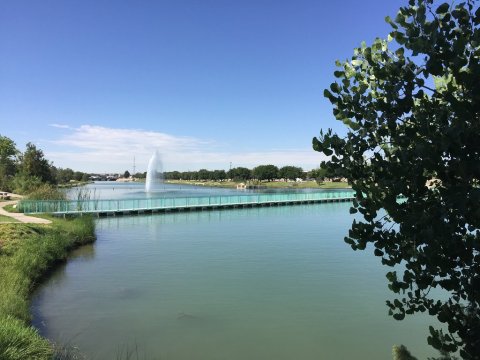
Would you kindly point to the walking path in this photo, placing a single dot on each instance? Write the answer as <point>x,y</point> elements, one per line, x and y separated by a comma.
<point>20,217</point>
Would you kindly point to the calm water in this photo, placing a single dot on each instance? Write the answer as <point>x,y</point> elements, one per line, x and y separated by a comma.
<point>136,190</point>
<point>260,283</point>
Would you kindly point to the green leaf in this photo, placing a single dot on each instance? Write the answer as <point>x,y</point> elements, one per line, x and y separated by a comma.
<point>327,152</point>
<point>391,276</point>
<point>389,20</point>
<point>329,95</point>
<point>400,18</point>
<point>317,145</point>
<point>335,88</point>
<point>399,316</point>
<point>357,62</point>
<point>434,341</point>
<point>443,9</point>
<point>399,37</point>
<point>378,252</point>
<point>434,66</point>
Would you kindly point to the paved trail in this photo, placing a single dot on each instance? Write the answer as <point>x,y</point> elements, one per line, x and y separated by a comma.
<point>19,216</point>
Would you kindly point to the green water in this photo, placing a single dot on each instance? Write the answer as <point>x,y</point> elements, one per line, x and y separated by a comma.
<point>259,283</point>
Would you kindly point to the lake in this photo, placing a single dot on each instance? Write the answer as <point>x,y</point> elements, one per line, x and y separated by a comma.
<point>254,283</point>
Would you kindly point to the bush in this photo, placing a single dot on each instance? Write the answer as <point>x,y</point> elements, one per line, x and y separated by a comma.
<point>22,184</point>
<point>46,192</point>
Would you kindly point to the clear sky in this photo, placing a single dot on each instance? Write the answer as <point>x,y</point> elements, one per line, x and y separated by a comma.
<point>95,83</point>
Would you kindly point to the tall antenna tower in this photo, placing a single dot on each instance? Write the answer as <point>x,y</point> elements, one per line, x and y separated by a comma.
<point>134,166</point>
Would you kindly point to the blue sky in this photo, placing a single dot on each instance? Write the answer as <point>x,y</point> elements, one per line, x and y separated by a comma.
<point>206,82</point>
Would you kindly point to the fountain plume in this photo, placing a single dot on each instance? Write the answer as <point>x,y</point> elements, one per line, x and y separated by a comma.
<point>154,179</point>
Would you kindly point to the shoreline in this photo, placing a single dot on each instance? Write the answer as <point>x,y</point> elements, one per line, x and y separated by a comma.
<point>265,184</point>
<point>51,245</point>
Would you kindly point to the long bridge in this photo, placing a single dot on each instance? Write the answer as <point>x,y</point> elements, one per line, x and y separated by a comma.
<point>101,207</point>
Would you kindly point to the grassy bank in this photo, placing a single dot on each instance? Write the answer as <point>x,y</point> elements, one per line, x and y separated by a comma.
<point>27,253</point>
<point>267,184</point>
<point>6,219</point>
<point>73,184</point>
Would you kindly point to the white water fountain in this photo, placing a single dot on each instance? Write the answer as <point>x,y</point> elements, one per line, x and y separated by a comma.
<point>154,179</point>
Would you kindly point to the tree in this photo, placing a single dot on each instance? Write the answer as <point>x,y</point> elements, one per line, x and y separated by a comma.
<point>318,174</point>
<point>143,175</point>
<point>240,174</point>
<point>172,175</point>
<point>34,164</point>
<point>412,109</point>
<point>265,172</point>
<point>219,175</point>
<point>189,175</point>
<point>204,174</point>
<point>126,174</point>
<point>290,172</point>
<point>8,156</point>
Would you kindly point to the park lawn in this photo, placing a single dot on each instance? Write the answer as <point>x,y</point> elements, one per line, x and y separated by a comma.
<point>6,219</point>
<point>334,185</point>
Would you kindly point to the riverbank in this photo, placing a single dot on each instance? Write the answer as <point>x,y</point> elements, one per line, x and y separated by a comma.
<point>28,252</point>
<point>266,184</point>
<point>73,184</point>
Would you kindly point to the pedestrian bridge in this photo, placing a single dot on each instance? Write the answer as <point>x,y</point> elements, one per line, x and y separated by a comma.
<point>164,204</point>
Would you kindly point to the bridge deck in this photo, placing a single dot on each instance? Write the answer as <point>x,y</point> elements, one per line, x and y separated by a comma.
<point>150,205</point>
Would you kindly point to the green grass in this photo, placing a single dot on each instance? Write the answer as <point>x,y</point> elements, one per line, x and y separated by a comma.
<point>6,219</point>
<point>334,185</point>
<point>27,253</point>
<point>18,341</point>
<point>10,208</point>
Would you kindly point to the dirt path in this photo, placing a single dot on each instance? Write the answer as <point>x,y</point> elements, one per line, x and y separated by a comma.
<point>20,217</point>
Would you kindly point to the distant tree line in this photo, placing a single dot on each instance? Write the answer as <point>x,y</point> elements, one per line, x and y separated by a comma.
<point>25,172</point>
<point>261,173</point>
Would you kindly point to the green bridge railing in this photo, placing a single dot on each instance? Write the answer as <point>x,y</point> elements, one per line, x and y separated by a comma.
<point>120,205</point>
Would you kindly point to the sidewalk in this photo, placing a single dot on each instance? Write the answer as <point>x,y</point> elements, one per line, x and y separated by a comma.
<point>19,216</point>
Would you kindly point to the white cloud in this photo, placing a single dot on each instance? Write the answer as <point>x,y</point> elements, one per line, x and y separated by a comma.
<point>101,149</point>
<point>60,126</point>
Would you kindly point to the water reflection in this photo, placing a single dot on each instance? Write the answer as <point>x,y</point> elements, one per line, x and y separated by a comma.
<point>86,252</point>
